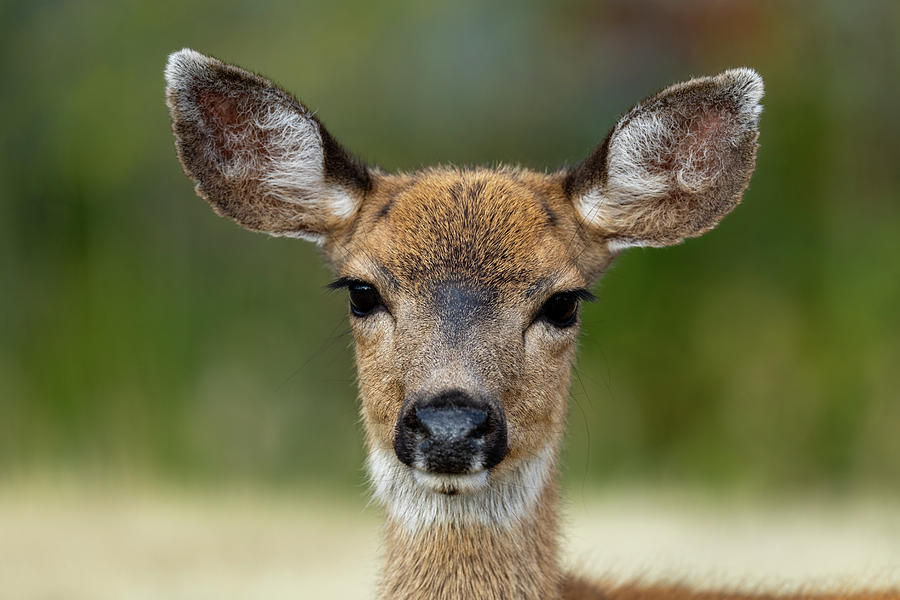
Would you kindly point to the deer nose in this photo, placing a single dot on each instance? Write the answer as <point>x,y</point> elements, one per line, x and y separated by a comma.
<point>451,433</point>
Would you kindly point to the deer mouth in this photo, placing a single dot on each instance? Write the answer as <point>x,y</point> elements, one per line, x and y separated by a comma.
<point>451,485</point>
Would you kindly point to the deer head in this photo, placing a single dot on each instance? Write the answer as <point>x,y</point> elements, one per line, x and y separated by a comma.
<point>464,285</point>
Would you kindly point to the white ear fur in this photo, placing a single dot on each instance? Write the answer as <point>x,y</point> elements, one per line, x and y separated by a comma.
<point>680,142</point>
<point>238,134</point>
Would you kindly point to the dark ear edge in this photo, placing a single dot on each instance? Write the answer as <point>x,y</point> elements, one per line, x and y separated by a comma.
<point>258,155</point>
<point>674,165</point>
<point>341,167</point>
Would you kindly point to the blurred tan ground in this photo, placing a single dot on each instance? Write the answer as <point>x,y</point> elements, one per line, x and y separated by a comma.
<point>74,544</point>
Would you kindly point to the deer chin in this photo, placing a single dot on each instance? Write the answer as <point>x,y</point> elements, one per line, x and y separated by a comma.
<point>451,485</point>
<point>418,500</point>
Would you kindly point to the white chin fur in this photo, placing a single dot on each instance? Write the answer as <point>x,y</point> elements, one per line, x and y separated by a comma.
<point>416,500</point>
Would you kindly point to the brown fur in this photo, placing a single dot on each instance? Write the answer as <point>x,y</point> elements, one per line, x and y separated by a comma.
<point>476,562</point>
<point>575,588</point>
<point>463,261</point>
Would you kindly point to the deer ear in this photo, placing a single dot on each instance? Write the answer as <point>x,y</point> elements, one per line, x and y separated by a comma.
<point>674,165</point>
<point>258,155</point>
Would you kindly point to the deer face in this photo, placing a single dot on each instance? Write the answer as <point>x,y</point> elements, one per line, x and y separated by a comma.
<point>464,291</point>
<point>464,284</point>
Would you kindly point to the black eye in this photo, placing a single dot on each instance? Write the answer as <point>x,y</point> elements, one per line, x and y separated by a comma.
<point>561,310</point>
<point>363,299</point>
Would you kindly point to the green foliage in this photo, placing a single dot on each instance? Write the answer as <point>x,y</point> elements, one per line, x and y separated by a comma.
<point>140,336</point>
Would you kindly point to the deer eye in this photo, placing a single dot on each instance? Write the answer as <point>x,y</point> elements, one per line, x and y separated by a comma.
<point>363,299</point>
<point>561,310</point>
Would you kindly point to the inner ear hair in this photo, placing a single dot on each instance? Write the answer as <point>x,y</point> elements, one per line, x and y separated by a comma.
<point>675,164</point>
<point>258,155</point>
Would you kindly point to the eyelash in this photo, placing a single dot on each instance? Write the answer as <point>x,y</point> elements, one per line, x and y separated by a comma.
<point>561,309</point>
<point>363,297</point>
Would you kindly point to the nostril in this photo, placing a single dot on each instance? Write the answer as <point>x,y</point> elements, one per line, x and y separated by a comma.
<point>481,425</point>
<point>414,424</point>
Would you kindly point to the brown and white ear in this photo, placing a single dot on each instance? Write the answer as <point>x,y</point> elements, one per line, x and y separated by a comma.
<point>674,165</point>
<point>257,154</point>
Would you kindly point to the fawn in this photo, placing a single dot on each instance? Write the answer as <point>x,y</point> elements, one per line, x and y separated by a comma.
<point>464,288</point>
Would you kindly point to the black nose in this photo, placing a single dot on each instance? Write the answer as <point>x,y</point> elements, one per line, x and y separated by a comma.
<point>451,433</point>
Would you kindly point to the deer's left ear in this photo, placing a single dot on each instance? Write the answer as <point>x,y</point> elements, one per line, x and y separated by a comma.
<point>674,165</point>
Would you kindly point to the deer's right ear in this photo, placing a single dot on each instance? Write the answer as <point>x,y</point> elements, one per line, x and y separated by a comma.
<point>674,165</point>
<point>257,154</point>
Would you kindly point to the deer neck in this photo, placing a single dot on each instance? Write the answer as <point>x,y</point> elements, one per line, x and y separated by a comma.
<point>497,542</point>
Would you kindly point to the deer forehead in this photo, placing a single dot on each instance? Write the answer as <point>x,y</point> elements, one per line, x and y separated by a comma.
<point>478,235</point>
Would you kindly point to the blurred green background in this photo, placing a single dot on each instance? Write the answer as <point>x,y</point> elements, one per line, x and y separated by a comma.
<point>141,338</point>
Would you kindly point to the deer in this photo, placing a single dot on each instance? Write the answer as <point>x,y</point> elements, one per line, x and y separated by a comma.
<point>464,291</point>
